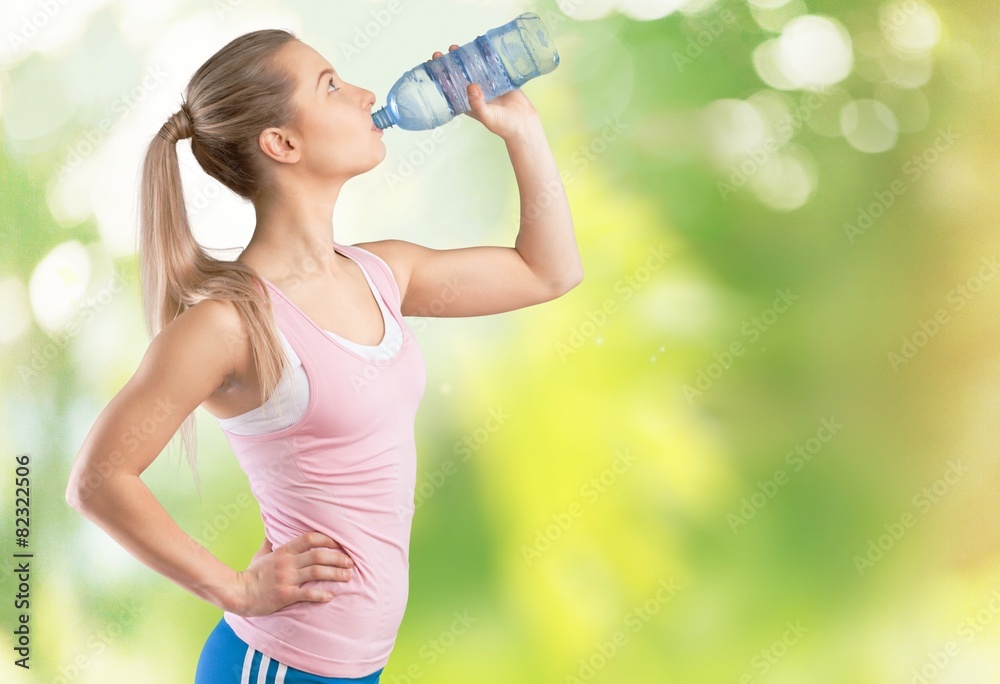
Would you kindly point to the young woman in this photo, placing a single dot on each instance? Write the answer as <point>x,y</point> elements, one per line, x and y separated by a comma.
<point>300,350</point>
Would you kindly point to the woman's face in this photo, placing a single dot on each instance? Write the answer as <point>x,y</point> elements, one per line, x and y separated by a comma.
<point>333,129</point>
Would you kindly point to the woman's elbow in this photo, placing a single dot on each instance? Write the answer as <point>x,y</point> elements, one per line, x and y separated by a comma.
<point>77,492</point>
<point>577,278</point>
<point>567,282</point>
<point>85,482</point>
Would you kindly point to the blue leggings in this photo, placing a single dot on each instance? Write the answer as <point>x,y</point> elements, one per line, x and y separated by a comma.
<point>227,659</point>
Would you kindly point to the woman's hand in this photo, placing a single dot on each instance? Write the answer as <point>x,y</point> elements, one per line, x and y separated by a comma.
<point>506,115</point>
<point>275,577</point>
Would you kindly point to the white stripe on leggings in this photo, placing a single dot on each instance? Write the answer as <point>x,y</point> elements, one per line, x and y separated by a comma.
<point>247,661</point>
<point>279,678</point>
<point>265,662</point>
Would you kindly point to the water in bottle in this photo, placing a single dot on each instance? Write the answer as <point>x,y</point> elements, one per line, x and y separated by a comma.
<point>503,59</point>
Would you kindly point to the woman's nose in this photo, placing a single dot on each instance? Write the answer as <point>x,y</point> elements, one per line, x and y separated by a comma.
<point>369,98</point>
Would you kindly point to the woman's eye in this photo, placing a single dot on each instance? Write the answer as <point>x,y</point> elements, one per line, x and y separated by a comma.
<point>333,86</point>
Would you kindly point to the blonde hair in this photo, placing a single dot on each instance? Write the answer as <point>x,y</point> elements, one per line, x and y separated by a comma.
<point>238,92</point>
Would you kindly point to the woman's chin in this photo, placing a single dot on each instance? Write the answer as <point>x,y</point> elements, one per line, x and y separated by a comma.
<point>373,161</point>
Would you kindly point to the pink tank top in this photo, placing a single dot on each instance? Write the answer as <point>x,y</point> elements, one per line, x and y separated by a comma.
<point>346,468</point>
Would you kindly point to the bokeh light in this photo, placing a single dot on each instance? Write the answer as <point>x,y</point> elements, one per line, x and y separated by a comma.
<point>58,283</point>
<point>814,51</point>
<point>15,315</point>
<point>910,25</point>
<point>869,125</point>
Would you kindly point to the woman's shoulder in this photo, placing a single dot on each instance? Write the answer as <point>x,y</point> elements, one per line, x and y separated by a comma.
<point>214,314</point>
<point>195,354</point>
<point>213,326</point>
<point>396,255</point>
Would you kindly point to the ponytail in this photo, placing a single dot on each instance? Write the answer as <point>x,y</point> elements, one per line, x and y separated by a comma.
<point>233,96</point>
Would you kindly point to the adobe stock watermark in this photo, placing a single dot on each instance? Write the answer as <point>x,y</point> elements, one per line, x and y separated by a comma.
<point>974,625</point>
<point>638,617</point>
<point>598,317</point>
<point>912,171</point>
<point>927,329</point>
<point>937,659</point>
<point>427,147</point>
<point>755,159</point>
<point>583,156</point>
<point>384,357</point>
<point>123,105</point>
<point>203,197</point>
<point>797,458</point>
<point>709,30</point>
<point>364,34</point>
<point>922,501</point>
<point>35,22</point>
<point>224,7</point>
<point>590,491</point>
<point>465,448</point>
<point>226,516</point>
<point>265,483</point>
<point>753,330</point>
<point>580,160</point>
<point>895,15</point>
<point>432,650</point>
<point>361,382</point>
<point>97,643</point>
<point>769,656</point>
<point>88,310</point>
<point>163,409</point>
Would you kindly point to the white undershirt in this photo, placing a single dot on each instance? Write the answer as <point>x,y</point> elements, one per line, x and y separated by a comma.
<point>292,392</point>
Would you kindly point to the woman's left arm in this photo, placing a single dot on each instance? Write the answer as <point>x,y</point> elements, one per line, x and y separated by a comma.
<point>544,262</point>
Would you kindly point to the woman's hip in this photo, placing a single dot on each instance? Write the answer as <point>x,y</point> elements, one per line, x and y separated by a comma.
<point>227,659</point>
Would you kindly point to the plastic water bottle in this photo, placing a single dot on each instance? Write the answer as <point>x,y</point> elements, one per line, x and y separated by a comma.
<point>505,58</point>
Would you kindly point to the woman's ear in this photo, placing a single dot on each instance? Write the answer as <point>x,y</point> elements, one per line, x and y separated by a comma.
<point>277,144</point>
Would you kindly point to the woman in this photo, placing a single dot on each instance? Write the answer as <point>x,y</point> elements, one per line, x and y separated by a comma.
<point>300,350</point>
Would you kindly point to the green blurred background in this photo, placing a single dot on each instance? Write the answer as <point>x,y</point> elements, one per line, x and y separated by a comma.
<point>756,444</point>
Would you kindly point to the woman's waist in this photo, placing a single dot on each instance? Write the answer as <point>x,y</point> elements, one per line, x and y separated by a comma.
<point>378,545</point>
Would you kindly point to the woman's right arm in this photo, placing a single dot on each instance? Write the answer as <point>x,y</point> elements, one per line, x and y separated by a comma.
<point>183,365</point>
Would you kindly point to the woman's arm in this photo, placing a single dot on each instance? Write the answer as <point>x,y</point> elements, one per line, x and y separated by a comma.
<point>544,262</point>
<point>183,365</point>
